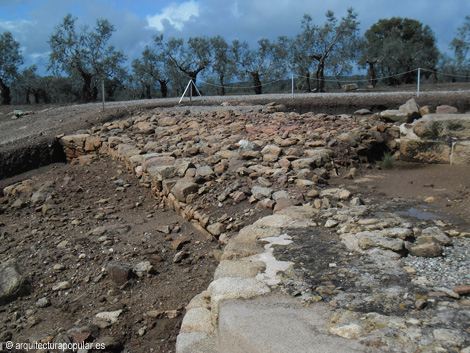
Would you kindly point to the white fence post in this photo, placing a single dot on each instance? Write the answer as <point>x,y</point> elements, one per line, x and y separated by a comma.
<point>292,86</point>
<point>419,78</point>
<point>102,91</point>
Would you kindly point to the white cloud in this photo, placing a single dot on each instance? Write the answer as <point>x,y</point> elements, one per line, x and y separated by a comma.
<point>15,26</point>
<point>235,11</point>
<point>176,15</point>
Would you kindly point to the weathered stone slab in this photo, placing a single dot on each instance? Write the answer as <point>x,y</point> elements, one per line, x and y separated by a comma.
<point>443,126</point>
<point>162,172</point>
<point>461,153</point>
<point>425,151</point>
<point>426,250</point>
<point>371,241</point>
<point>238,268</point>
<point>394,115</point>
<point>155,159</point>
<point>411,108</point>
<point>183,188</point>
<point>198,320</point>
<point>74,141</point>
<point>446,109</point>
<point>231,288</point>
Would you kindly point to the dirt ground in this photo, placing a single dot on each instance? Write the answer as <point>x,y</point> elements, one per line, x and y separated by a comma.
<point>66,241</point>
<point>441,191</point>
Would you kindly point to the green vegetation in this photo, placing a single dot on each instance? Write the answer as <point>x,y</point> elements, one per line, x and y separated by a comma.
<point>10,60</point>
<point>387,162</point>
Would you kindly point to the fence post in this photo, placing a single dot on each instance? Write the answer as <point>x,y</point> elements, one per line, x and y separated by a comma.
<point>102,91</point>
<point>292,86</point>
<point>419,78</point>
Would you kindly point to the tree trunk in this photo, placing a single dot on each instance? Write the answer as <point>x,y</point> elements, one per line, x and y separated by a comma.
<point>193,76</point>
<point>256,82</point>
<point>163,88</point>
<point>434,75</point>
<point>44,95</point>
<point>28,92</point>
<point>36,96</point>
<point>87,92</point>
<point>5,93</point>
<point>308,87</point>
<point>95,94</point>
<point>321,75</point>
<point>222,86</point>
<point>372,73</point>
<point>147,92</point>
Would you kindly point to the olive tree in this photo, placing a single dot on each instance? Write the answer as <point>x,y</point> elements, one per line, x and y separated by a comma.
<point>85,55</point>
<point>302,49</point>
<point>256,63</point>
<point>148,70</point>
<point>189,58</point>
<point>30,84</point>
<point>10,60</point>
<point>331,47</point>
<point>223,65</point>
<point>461,46</point>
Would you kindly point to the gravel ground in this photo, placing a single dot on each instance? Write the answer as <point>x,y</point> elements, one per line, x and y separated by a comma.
<point>448,271</point>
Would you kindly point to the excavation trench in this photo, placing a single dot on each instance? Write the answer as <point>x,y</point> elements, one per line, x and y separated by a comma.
<point>16,160</point>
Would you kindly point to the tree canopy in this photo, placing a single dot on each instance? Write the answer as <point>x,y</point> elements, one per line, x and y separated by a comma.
<point>331,46</point>
<point>189,58</point>
<point>148,70</point>
<point>461,45</point>
<point>84,54</point>
<point>10,60</point>
<point>397,45</point>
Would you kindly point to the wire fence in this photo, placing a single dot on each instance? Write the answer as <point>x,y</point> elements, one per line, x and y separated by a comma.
<point>297,83</point>
<point>66,92</point>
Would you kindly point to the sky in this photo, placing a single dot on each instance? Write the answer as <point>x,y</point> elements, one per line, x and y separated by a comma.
<point>136,21</point>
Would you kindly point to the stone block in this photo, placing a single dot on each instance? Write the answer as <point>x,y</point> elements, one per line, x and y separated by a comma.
<point>411,108</point>
<point>443,127</point>
<point>395,116</point>
<point>162,172</point>
<point>237,268</point>
<point>446,109</point>
<point>461,153</point>
<point>425,151</point>
<point>426,250</point>
<point>92,143</point>
<point>183,189</point>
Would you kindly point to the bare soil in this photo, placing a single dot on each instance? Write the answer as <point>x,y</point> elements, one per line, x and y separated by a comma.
<point>440,189</point>
<point>62,242</point>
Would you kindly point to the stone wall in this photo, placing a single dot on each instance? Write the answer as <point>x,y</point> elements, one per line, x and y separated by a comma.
<point>192,160</point>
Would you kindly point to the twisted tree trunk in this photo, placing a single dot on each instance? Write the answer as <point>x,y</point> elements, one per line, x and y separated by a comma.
<point>256,82</point>
<point>5,93</point>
